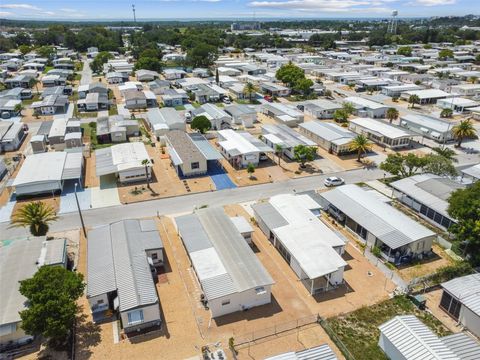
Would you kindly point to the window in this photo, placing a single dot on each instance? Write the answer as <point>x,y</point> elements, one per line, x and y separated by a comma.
<point>135,317</point>
<point>154,256</point>
<point>100,301</point>
<point>260,290</point>
<point>195,165</point>
<point>225,302</point>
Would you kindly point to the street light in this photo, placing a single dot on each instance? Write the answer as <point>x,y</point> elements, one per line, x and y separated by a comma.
<point>80,212</point>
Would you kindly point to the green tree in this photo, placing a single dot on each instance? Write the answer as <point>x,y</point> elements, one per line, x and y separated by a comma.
<point>328,93</point>
<point>148,63</point>
<point>392,114</point>
<point>303,86</point>
<point>304,154</point>
<point>201,124</point>
<point>24,49</point>
<point>18,108</point>
<point>102,58</point>
<point>249,89</point>
<point>445,54</point>
<point>361,145</point>
<point>250,170</point>
<point>439,165</point>
<point>403,165</point>
<point>146,163</point>
<point>340,115</point>
<point>45,51</point>
<point>33,82</point>
<point>462,130</point>
<point>51,293</point>
<point>464,207</point>
<point>201,55</point>
<point>446,113</point>
<point>446,153</point>
<point>348,108</point>
<point>473,79</point>
<point>405,51</point>
<point>290,74</point>
<point>413,99</point>
<point>36,215</point>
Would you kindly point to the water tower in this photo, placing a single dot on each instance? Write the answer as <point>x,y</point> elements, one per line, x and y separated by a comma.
<point>392,25</point>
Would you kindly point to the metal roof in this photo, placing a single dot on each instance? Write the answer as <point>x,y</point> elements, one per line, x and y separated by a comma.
<point>329,131</point>
<point>127,156</point>
<point>117,259</point>
<point>72,169</point>
<point>186,151</point>
<point>269,215</point>
<point>414,340</point>
<point>18,261</point>
<point>381,128</point>
<point>228,265</point>
<point>322,352</point>
<point>42,167</point>
<point>392,227</point>
<point>286,135</point>
<point>467,290</point>
<point>431,190</point>
<point>463,345</point>
<point>473,171</point>
<point>204,146</point>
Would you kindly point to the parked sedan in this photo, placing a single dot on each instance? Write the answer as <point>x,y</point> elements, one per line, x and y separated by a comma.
<point>334,181</point>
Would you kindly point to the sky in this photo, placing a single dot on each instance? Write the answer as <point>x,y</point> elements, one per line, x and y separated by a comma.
<point>230,9</point>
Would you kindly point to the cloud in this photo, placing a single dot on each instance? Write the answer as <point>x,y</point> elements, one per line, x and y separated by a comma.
<point>325,5</point>
<point>5,13</point>
<point>435,2</point>
<point>19,6</point>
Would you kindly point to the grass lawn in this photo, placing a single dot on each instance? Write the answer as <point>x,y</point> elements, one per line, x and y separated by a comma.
<point>196,104</point>
<point>220,104</point>
<point>113,110</point>
<point>47,69</point>
<point>359,332</point>
<point>36,97</point>
<point>77,77</point>
<point>180,107</point>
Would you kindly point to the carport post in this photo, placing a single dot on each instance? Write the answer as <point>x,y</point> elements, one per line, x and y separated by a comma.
<point>80,212</point>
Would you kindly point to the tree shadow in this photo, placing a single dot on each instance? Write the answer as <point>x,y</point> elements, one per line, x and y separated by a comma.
<point>87,336</point>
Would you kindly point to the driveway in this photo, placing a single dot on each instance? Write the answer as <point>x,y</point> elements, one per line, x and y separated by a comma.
<point>67,199</point>
<point>7,209</point>
<point>106,194</point>
<point>86,73</point>
<point>220,177</point>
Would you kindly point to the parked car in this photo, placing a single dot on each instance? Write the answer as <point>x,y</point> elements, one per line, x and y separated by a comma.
<point>268,98</point>
<point>226,100</point>
<point>334,181</point>
<point>263,156</point>
<point>188,116</point>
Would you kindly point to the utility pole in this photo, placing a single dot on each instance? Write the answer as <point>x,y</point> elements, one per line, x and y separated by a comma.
<point>80,212</point>
<point>134,16</point>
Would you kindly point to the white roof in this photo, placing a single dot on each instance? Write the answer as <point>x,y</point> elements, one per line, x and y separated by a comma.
<point>308,239</point>
<point>428,122</point>
<point>59,127</point>
<point>356,100</point>
<point>237,141</point>
<point>467,290</point>
<point>414,340</point>
<point>127,156</point>
<point>428,93</point>
<point>242,225</point>
<point>42,167</point>
<point>380,128</point>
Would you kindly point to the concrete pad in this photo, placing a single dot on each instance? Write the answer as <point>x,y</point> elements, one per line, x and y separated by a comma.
<point>68,202</point>
<point>327,166</point>
<point>106,194</point>
<point>6,211</point>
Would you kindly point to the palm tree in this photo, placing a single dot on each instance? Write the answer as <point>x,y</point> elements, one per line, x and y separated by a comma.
<point>413,99</point>
<point>249,89</point>
<point>392,114</point>
<point>348,108</point>
<point>18,109</point>
<point>278,152</point>
<point>146,163</point>
<point>33,82</point>
<point>446,152</point>
<point>463,130</point>
<point>361,145</point>
<point>36,215</point>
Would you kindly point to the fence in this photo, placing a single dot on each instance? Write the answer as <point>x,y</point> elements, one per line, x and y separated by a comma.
<point>333,336</point>
<point>274,330</point>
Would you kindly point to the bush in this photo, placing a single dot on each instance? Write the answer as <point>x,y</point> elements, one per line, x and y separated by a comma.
<point>376,251</point>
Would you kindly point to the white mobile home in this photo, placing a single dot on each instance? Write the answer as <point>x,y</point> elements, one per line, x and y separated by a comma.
<point>460,299</point>
<point>328,136</point>
<point>428,127</point>
<point>163,120</point>
<point>321,109</point>
<point>121,261</point>
<point>428,194</point>
<point>398,237</point>
<point>285,137</point>
<point>19,260</point>
<point>310,247</point>
<point>382,133</point>
<point>367,108</point>
<point>427,96</point>
<point>241,148</point>
<point>231,276</point>
<point>46,173</point>
<point>283,114</point>
<point>125,161</point>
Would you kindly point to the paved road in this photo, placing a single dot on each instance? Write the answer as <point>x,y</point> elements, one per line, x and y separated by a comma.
<point>179,204</point>
<point>86,73</point>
